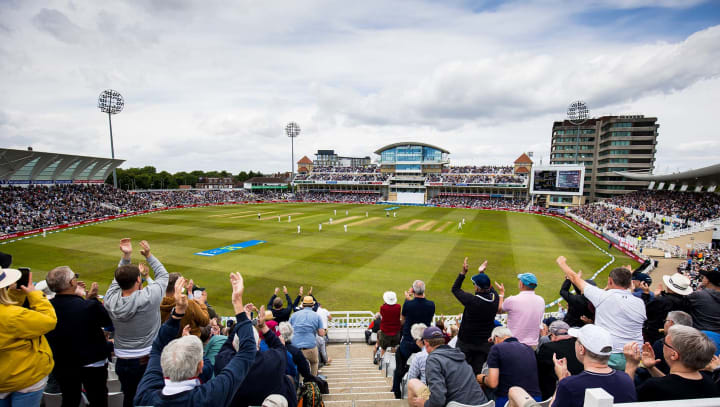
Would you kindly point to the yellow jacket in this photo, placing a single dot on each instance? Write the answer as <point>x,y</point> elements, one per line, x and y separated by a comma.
<point>25,355</point>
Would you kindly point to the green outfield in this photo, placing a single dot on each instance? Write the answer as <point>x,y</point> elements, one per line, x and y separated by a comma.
<point>348,270</point>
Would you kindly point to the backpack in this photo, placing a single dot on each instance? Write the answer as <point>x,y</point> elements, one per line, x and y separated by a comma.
<point>310,396</point>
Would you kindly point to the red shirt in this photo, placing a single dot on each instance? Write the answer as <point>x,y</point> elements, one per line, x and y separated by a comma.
<point>390,322</point>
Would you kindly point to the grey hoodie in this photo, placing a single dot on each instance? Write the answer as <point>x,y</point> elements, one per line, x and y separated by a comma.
<point>137,317</point>
<point>704,306</point>
<point>450,378</point>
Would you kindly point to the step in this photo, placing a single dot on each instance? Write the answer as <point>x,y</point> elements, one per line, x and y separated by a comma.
<point>391,402</point>
<point>358,396</point>
<point>356,382</point>
<point>360,389</point>
<point>327,370</point>
<point>376,376</point>
<point>338,403</point>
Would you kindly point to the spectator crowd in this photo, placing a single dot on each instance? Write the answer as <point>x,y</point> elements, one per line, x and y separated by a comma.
<point>688,206</point>
<point>479,202</point>
<point>617,221</point>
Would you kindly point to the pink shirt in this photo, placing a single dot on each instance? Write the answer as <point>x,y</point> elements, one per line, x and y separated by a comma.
<point>525,314</point>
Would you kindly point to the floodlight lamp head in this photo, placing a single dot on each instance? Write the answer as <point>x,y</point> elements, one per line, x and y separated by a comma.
<point>577,112</point>
<point>292,129</point>
<point>110,101</point>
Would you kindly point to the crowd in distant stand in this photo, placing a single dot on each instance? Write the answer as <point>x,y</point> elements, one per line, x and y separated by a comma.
<point>167,341</point>
<point>617,221</point>
<point>483,169</point>
<point>478,202</point>
<point>337,197</point>
<point>693,206</point>
<point>476,179</point>
<point>357,170</point>
<point>342,176</point>
<point>699,262</point>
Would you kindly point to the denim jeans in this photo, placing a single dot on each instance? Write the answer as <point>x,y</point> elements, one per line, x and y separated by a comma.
<point>129,372</point>
<point>16,399</point>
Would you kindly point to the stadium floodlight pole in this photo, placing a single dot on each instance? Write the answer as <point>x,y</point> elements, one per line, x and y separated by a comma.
<point>111,102</point>
<point>577,114</point>
<point>292,130</point>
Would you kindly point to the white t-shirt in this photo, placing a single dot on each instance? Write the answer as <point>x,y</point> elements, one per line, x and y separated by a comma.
<point>620,312</point>
<point>324,314</point>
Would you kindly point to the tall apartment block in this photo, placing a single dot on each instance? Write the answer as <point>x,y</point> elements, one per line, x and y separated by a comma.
<point>607,145</point>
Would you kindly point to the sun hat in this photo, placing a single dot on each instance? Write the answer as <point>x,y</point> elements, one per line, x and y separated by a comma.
<point>432,332</point>
<point>481,280</point>
<point>390,298</point>
<point>678,284</point>
<point>308,301</point>
<point>594,338</point>
<point>269,316</point>
<point>42,286</point>
<point>8,276</point>
<point>528,279</point>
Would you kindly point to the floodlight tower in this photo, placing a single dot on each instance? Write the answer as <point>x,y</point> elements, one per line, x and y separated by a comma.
<point>111,102</point>
<point>292,130</point>
<point>577,114</point>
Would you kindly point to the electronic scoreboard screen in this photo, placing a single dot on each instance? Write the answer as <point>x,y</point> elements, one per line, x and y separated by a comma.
<point>557,181</point>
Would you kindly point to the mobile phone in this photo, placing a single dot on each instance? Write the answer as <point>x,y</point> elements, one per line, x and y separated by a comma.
<point>24,277</point>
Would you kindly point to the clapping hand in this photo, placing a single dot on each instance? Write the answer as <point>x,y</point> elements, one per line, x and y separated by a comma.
<point>633,354</point>
<point>300,291</point>
<point>181,300</point>
<point>145,248</point>
<point>561,370</point>
<point>186,330</point>
<point>285,291</point>
<point>482,267</point>
<point>659,290</point>
<point>465,266</point>
<point>277,290</point>
<point>238,287</point>
<point>500,288</point>
<point>648,356</point>
<point>93,293</point>
<point>126,247</point>
<point>144,270</point>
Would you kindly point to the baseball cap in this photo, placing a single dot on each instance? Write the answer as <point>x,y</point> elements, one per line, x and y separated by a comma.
<point>712,275</point>
<point>432,332</point>
<point>528,279</point>
<point>642,277</point>
<point>559,327</point>
<point>308,301</point>
<point>8,276</point>
<point>481,280</point>
<point>678,284</point>
<point>594,338</point>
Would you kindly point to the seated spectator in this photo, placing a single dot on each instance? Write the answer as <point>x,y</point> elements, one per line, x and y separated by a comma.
<point>25,355</point>
<point>275,304</point>
<point>510,363</point>
<point>621,314</point>
<point>480,308</point>
<point>672,318</point>
<point>301,363</point>
<point>579,309</point>
<point>211,343</point>
<point>687,351</point>
<point>267,373</point>
<point>592,348</point>
<point>525,310</point>
<point>389,333</point>
<point>197,314</point>
<point>78,342</point>
<point>703,304</point>
<point>663,302</point>
<point>561,346</point>
<point>171,376</point>
<point>417,365</point>
<point>373,328</point>
<point>449,377</point>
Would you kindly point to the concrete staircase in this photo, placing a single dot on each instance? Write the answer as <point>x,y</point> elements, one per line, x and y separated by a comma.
<point>355,381</point>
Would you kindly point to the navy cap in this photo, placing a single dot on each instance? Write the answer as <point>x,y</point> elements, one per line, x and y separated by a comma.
<point>432,332</point>
<point>642,277</point>
<point>481,280</point>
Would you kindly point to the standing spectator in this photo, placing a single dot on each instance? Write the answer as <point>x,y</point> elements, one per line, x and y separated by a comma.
<point>26,359</point>
<point>561,346</point>
<point>665,301</point>
<point>171,376</point>
<point>478,316</point>
<point>703,304</point>
<point>212,343</point>
<point>78,342</point>
<point>196,315</point>
<point>389,334</point>
<point>135,313</point>
<point>416,310</point>
<point>449,377</point>
<point>578,305</point>
<point>322,341</point>
<point>687,351</point>
<point>510,363</point>
<point>525,310</point>
<point>616,309</point>
<point>275,304</point>
<point>306,324</point>
<point>593,348</point>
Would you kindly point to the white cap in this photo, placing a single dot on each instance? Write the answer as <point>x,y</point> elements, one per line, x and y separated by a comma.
<point>594,338</point>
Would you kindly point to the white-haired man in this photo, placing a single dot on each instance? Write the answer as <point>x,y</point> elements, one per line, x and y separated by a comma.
<point>171,376</point>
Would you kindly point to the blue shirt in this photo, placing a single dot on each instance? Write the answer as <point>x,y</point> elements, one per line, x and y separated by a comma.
<point>518,367</point>
<point>571,390</point>
<point>305,323</point>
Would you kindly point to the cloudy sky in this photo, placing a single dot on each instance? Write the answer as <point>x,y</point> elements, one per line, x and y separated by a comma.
<point>211,84</point>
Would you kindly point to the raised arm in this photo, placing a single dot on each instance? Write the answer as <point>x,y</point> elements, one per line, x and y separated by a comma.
<point>574,277</point>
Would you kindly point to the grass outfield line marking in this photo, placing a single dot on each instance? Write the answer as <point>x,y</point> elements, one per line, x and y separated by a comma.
<point>427,227</point>
<point>228,214</point>
<point>363,222</point>
<point>441,228</point>
<point>343,220</point>
<point>252,214</point>
<point>281,216</point>
<point>406,226</point>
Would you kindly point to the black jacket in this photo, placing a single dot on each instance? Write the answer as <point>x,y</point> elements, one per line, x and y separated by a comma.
<point>578,305</point>
<point>78,338</point>
<point>266,376</point>
<point>656,311</point>
<point>546,367</point>
<point>282,314</point>
<point>478,318</point>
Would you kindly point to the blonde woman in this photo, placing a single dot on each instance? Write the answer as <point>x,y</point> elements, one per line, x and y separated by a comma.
<point>25,355</point>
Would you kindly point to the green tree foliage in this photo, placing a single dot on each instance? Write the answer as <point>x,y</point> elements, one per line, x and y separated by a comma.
<point>148,178</point>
